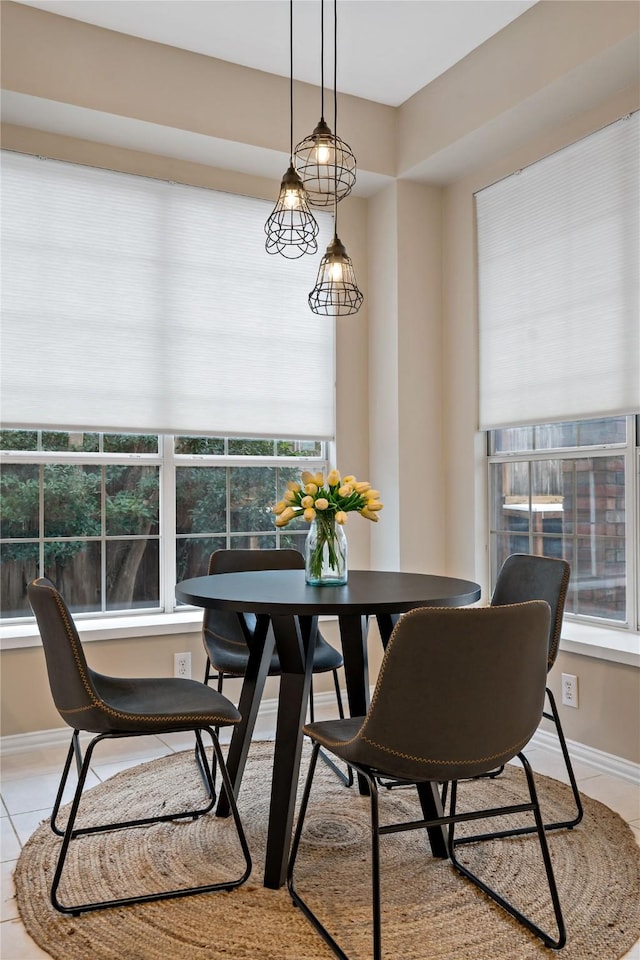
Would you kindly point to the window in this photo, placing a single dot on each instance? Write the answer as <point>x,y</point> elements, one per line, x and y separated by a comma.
<point>559,370</point>
<point>569,490</point>
<point>149,310</point>
<point>115,519</point>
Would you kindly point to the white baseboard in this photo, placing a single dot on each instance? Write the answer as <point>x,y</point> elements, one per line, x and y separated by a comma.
<point>601,761</point>
<point>325,708</point>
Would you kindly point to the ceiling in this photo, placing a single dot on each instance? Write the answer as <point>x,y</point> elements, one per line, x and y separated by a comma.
<point>387,49</point>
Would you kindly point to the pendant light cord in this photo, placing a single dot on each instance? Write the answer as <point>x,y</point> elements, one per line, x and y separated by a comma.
<point>291,81</point>
<point>321,59</point>
<point>335,119</point>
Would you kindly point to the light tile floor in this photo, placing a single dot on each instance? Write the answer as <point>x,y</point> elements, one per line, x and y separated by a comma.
<point>29,783</point>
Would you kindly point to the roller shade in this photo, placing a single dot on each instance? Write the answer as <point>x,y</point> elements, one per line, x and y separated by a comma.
<point>136,305</point>
<point>558,260</point>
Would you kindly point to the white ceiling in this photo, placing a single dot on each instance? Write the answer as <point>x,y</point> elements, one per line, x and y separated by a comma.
<point>387,49</point>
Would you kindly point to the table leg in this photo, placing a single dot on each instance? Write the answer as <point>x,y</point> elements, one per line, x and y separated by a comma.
<point>386,623</point>
<point>295,642</point>
<point>353,637</point>
<point>431,804</point>
<point>260,651</point>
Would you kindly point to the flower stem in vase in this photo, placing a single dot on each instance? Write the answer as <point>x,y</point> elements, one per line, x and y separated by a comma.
<point>326,552</point>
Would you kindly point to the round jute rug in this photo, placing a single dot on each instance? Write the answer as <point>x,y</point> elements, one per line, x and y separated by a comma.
<point>429,912</point>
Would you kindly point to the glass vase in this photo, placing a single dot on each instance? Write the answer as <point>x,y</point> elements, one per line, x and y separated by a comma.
<point>325,553</point>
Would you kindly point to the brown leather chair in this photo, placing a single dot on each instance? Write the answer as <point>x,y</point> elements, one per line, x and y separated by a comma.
<point>460,691</point>
<point>226,635</point>
<point>524,577</point>
<point>113,707</point>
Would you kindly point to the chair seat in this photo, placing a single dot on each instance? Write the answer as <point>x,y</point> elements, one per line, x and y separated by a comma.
<point>336,732</point>
<point>231,658</point>
<point>166,703</point>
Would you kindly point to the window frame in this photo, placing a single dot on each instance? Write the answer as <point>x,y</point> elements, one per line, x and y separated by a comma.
<point>168,616</point>
<point>606,633</point>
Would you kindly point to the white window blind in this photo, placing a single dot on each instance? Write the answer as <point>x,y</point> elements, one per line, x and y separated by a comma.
<point>558,260</point>
<point>135,305</point>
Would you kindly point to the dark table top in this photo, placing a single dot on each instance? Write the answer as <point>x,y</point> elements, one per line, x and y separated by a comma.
<point>284,592</point>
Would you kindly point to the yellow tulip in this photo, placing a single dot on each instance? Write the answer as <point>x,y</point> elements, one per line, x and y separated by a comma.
<point>321,503</point>
<point>362,486</point>
<point>374,505</point>
<point>369,515</point>
<point>333,479</point>
<point>281,523</point>
<point>293,485</point>
<point>306,477</point>
<point>287,514</point>
<point>349,479</point>
<point>341,517</point>
<point>309,514</point>
<point>319,479</point>
<point>345,490</point>
<point>311,489</point>
<point>279,507</point>
<point>372,494</point>
<point>306,502</point>
<point>289,496</point>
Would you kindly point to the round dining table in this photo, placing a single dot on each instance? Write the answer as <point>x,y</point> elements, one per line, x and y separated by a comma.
<point>283,599</point>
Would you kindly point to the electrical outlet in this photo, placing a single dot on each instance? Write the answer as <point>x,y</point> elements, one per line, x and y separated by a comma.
<point>182,665</point>
<point>569,690</point>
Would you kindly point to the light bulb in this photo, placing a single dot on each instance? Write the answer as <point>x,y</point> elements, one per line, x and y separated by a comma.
<point>335,272</point>
<point>292,200</point>
<point>323,154</point>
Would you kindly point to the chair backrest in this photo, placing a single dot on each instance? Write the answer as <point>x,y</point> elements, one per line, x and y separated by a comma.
<point>70,677</point>
<point>237,561</point>
<point>525,577</point>
<point>222,626</point>
<point>460,691</point>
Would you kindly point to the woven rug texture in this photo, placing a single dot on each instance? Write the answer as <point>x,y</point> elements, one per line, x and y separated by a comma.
<point>429,911</point>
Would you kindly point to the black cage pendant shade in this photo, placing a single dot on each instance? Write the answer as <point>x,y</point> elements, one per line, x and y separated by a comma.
<point>291,228</point>
<point>326,164</point>
<point>336,292</point>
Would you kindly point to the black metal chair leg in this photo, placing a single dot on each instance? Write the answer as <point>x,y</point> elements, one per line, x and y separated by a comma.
<point>71,833</point>
<point>336,683</point>
<point>78,753</point>
<point>375,871</point>
<point>295,896</point>
<point>68,833</point>
<point>539,828</point>
<point>63,782</point>
<point>558,824</point>
<point>219,677</point>
<point>555,717</point>
<point>207,774</point>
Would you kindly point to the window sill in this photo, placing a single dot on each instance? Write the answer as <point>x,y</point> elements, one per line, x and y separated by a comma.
<point>602,643</point>
<point>109,628</point>
<point>21,636</point>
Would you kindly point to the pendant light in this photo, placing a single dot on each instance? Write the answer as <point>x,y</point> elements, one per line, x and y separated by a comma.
<point>326,163</point>
<point>336,292</point>
<point>291,228</point>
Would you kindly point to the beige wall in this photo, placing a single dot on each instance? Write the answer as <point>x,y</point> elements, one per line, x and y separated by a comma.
<point>608,710</point>
<point>406,365</point>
